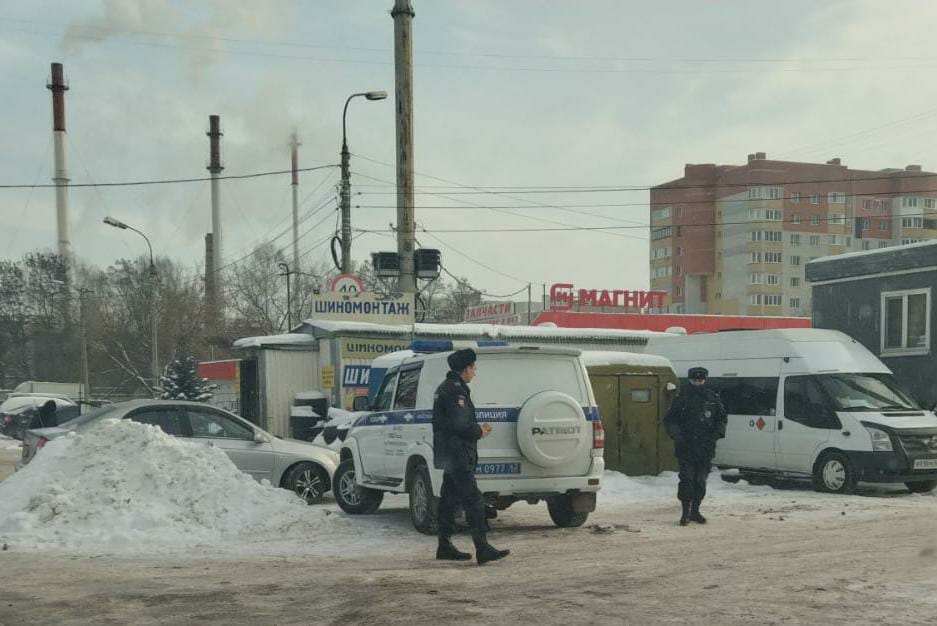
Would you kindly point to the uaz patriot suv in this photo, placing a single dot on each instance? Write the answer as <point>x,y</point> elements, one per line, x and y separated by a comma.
<point>546,440</point>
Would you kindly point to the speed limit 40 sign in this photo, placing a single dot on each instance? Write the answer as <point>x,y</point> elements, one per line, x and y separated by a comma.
<point>347,283</point>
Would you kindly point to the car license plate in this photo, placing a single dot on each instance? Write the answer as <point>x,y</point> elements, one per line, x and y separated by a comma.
<point>923,464</point>
<point>488,469</point>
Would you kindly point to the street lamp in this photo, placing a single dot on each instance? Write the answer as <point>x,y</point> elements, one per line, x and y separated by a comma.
<point>110,221</point>
<point>346,185</point>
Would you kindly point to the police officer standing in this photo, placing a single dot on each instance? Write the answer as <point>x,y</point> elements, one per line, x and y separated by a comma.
<point>695,421</point>
<point>455,451</point>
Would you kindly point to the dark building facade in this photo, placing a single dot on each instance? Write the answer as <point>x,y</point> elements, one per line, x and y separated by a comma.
<point>884,300</point>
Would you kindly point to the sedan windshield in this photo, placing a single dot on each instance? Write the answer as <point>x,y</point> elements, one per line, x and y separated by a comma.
<point>865,392</point>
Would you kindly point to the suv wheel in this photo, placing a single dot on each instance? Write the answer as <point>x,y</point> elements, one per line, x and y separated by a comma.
<point>423,504</point>
<point>562,514</point>
<point>351,497</point>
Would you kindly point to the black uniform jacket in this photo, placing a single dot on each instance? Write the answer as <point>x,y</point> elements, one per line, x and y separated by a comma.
<point>455,430</point>
<point>695,421</point>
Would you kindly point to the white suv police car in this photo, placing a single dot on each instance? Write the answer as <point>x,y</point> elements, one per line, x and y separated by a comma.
<point>546,440</point>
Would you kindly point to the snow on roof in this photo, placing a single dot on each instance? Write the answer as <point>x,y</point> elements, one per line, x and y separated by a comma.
<point>289,339</point>
<point>595,358</point>
<point>862,253</point>
<point>492,331</point>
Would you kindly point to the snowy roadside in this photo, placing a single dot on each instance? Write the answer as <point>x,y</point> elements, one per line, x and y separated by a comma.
<point>127,488</point>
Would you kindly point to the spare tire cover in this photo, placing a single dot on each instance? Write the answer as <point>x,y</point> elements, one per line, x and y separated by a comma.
<point>552,429</point>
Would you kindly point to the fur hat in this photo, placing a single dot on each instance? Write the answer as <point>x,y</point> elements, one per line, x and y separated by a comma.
<point>461,359</point>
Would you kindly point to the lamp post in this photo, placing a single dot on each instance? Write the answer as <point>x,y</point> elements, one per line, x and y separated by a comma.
<point>110,221</point>
<point>346,185</point>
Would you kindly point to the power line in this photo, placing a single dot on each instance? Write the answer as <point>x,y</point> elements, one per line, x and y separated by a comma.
<point>836,220</point>
<point>168,181</point>
<point>472,259</point>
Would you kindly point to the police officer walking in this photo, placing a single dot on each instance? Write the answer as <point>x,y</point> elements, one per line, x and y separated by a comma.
<point>455,451</point>
<point>695,421</point>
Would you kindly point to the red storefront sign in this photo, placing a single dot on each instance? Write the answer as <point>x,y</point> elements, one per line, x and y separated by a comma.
<point>564,295</point>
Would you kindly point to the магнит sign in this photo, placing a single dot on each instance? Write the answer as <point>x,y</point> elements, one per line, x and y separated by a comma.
<point>564,295</point>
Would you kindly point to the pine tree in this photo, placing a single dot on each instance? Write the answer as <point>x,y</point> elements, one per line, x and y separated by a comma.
<point>181,382</point>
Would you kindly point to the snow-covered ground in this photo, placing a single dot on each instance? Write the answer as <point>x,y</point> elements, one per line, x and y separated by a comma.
<point>125,487</point>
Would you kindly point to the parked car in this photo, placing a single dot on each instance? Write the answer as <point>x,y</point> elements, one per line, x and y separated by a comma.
<point>810,403</point>
<point>20,408</point>
<point>304,468</point>
<point>545,443</point>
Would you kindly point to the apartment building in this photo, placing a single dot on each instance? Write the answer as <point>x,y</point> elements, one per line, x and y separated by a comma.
<point>734,239</point>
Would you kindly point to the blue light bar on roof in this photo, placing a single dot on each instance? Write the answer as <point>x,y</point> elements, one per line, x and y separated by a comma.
<point>447,345</point>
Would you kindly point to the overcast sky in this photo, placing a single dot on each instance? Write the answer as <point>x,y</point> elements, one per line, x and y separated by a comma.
<point>506,94</point>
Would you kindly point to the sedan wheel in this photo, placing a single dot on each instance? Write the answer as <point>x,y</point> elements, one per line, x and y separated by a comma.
<point>308,481</point>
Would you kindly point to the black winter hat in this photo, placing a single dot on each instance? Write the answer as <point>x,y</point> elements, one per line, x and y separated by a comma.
<point>698,373</point>
<point>460,359</point>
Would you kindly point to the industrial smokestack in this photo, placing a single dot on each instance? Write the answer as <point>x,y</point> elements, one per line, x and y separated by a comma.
<point>58,87</point>
<point>215,167</point>
<point>294,160</point>
<point>211,304</point>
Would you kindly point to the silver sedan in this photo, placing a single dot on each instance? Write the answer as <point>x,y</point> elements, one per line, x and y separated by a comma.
<point>305,468</point>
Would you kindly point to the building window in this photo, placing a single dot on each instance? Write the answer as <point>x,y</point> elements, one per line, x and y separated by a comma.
<point>930,203</point>
<point>774,235</point>
<point>679,251</point>
<point>882,244</point>
<point>661,233</point>
<point>764,193</point>
<point>754,299</point>
<point>795,260</point>
<point>906,321</point>
<point>678,211</point>
<point>756,278</point>
<point>867,203</point>
<point>905,242</point>
<point>795,196</point>
<point>755,235</point>
<point>678,291</point>
<point>837,218</point>
<point>661,214</point>
<point>678,271</point>
<point>772,299</point>
<point>836,197</point>
<point>866,223</point>
<point>883,225</point>
<point>909,202</point>
<point>815,220</point>
<point>912,222</point>
<point>755,258</point>
<point>660,253</point>
<point>773,257</point>
<point>815,240</point>
<point>814,198</point>
<point>795,281</point>
<point>795,239</point>
<point>837,240</point>
<point>773,215</point>
<point>866,245</point>
<point>884,205</point>
<point>795,218</point>
<point>795,303</point>
<point>772,279</point>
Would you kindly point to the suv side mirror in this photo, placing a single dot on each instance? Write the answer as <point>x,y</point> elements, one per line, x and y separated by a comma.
<point>361,403</point>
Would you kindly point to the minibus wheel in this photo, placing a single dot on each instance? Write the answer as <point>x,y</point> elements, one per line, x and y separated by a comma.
<point>921,486</point>
<point>833,473</point>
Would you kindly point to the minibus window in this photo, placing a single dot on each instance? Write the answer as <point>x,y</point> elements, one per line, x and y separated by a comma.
<point>865,392</point>
<point>746,396</point>
<point>805,403</point>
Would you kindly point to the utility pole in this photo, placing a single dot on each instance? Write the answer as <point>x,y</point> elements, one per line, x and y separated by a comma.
<point>289,301</point>
<point>294,161</point>
<point>403,78</point>
<point>85,376</point>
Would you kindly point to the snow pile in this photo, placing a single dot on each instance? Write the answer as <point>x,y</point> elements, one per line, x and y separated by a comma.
<point>339,422</point>
<point>127,486</point>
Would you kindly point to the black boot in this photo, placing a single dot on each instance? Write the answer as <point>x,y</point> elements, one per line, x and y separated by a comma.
<point>695,515</point>
<point>685,516</point>
<point>448,552</point>
<point>486,553</point>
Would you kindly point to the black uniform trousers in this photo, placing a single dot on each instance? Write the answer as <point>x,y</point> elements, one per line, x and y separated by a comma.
<point>459,488</point>
<point>693,474</point>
